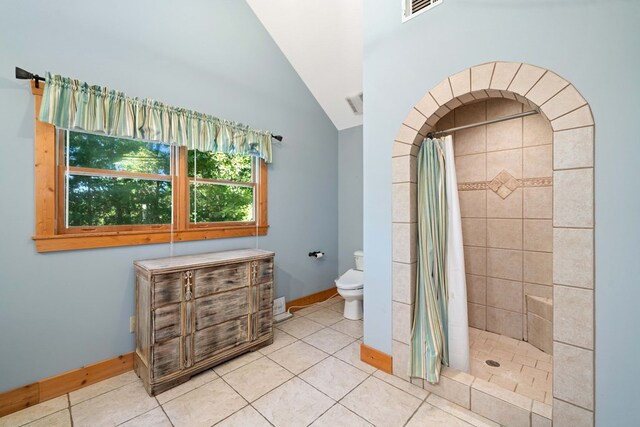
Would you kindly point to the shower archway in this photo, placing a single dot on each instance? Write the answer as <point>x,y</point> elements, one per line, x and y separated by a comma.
<point>572,124</point>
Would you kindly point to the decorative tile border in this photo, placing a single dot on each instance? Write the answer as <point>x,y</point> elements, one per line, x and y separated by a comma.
<point>525,182</point>
<point>573,126</point>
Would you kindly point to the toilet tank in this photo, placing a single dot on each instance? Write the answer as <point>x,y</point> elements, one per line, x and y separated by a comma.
<point>358,256</point>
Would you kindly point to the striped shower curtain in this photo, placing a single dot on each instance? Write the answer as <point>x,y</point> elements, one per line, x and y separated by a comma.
<point>440,332</point>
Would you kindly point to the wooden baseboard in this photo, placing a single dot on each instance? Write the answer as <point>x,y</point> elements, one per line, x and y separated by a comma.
<point>32,394</point>
<point>376,358</point>
<point>311,299</point>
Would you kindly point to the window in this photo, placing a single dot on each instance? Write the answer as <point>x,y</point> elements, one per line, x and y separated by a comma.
<point>95,190</point>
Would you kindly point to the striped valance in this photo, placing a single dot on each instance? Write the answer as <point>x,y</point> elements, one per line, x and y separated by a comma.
<point>71,104</point>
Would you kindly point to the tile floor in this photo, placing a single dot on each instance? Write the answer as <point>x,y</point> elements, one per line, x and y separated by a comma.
<point>523,368</point>
<point>310,375</point>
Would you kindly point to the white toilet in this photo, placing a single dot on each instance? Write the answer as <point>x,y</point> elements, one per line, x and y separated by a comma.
<point>351,287</point>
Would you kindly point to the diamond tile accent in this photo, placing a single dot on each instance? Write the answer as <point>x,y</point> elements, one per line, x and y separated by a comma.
<point>504,184</point>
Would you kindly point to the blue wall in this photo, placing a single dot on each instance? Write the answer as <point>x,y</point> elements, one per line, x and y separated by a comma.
<point>349,196</point>
<point>594,45</point>
<point>62,310</point>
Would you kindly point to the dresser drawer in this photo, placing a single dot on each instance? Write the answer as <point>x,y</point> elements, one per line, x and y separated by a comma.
<point>263,296</point>
<point>214,339</point>
<point>262,323</point>
<point>166,322</point>
<point>166,358</point>
<point>167,289</point>
<point>221,307</point>
<point>265,271</point>
<point>221,278</point>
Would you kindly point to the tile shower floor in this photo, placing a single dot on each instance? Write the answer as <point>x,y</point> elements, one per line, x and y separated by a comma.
<point>523,368</point>
<point>310,375</point>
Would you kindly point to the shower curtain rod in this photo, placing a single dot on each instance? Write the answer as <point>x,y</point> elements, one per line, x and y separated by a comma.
<point>488,122</point>
<point>22,74</point>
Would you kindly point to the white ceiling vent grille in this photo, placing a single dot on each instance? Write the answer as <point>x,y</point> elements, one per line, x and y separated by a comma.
<point>356,103</point>
<point>413,8</point>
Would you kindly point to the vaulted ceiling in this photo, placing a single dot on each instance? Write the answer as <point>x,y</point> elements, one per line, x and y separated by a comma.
<point>323,42</point>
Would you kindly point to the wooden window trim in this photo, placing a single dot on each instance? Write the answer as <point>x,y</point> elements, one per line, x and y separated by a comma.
<point>49,237</point>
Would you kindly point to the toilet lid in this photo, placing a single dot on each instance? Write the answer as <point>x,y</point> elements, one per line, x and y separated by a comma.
<point>351,279</point>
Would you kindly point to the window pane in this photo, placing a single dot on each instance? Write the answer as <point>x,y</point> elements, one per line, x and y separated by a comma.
<point>216,203</point>
<point>95,201</point>
<point>105,152</point>
<point>220,166</point>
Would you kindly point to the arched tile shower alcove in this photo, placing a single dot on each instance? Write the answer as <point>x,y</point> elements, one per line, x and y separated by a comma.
<point>573,239</point>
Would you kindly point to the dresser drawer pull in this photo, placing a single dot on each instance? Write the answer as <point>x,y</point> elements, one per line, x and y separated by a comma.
<point>187,286</point>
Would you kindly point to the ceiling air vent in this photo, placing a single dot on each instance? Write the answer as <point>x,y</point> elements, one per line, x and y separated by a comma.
<point>413,8</point>
<point>355,102</point>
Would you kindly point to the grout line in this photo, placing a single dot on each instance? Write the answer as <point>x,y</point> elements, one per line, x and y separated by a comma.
<point>103,393</point>
<point>165,413</point>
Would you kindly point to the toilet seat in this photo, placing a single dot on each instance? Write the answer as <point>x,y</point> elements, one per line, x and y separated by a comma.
<point>351,280</point>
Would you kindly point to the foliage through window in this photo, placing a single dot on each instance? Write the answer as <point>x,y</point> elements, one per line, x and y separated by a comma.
<point>114,181</point>
<point>122,182</point>
<point>220,187</point>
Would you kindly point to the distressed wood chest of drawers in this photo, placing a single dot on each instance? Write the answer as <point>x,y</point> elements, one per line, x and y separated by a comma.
<point>196,311</point>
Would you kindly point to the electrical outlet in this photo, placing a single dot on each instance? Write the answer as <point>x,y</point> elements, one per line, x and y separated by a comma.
<point>132,324</point>
<point>279,306</point>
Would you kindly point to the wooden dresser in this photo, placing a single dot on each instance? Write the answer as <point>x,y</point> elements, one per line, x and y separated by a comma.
<point>196,311</point>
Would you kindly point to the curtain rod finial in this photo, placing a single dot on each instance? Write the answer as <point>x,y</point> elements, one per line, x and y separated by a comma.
<point>278,137</point>
<point>23,74</point>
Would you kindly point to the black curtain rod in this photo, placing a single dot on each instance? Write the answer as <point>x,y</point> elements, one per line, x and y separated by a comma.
<point>23,74</point>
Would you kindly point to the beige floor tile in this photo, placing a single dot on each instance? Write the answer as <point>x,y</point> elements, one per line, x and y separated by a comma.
<point>429,415</point>
<point>307,310</point>
<point>195,382</point>
<point>300,327</point>
<point>325,317</point>
<point>334,377</point>
<point>294,403</point>
<point>351,355</point>
<point>349,327</point>
<point>329,340</point>
<point>102,387</point>
<point>538,374</point>
<point>114,407</point>
<point>257,378</point>
<point>236,363</point>
<point>460,412</point>
<point>297,357</point>
<point>338,415</point>
<point>204,406</point>
<point>524,360</point>
<point>280,339</point>
<point>380,403</point>
<point>330,301</point>
<point>504,382</point>
<point>338,307</point>
<point>531,392</point>
<point>246,417</point>
<point>59,419</point>
<point>35,412</point>
<point>544,366</point>
<point>478,370</point>
<point>403,385</point>
<point>154,418</point>
<point>542,385</point>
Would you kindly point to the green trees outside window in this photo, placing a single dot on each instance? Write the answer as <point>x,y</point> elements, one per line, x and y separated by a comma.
<point>116,182</point>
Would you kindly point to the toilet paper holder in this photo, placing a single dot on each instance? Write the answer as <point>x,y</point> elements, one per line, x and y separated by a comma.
<point>316,254</point>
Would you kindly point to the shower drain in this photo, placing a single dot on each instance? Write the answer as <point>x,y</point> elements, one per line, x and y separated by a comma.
<point>492,363</point>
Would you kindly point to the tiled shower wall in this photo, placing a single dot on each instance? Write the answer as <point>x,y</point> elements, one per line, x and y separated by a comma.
<point>504,175</point>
